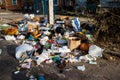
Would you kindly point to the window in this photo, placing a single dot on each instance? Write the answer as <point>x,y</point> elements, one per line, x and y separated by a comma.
<point>14,2</point>
<point>56,2</point>
<point>69,2</point>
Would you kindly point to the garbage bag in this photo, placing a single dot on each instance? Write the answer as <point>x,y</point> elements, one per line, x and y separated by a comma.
<point>21,49</point>
<point>76,25</point>
<point>82,68</point>
<point>9,37</point>
<point>20,37</point>
<point>84,46</point>
<point>95,51</point>
<point>44,56</point>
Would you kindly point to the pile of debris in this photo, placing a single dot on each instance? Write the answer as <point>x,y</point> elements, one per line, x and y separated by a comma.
<point>107,30</point>
<point>67,41</point>
<point>115,11</point>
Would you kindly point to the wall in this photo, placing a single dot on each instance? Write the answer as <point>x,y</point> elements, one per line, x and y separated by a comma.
<point>9,5</point>
<point>2,3</point>
<point>110,3</point>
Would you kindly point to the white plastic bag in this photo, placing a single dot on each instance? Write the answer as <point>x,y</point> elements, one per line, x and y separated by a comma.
<point>21,37</point>
<point>22,48</point>
<point>82,68</point>
<point>9,37</point>
<point>87,58</point>
<point>95,51</point>
<point>44,56</point>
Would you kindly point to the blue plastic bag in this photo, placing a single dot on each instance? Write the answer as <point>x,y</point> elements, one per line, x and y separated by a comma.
<point>76,25</point>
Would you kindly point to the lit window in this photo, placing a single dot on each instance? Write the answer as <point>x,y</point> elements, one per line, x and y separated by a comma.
<point>14,2</point>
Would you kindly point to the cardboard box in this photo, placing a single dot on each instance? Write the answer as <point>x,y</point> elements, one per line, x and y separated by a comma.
<point>73,43</point>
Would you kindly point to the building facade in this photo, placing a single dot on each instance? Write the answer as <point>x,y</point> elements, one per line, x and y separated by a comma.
<point>110,3</point>
<point>11,4</point>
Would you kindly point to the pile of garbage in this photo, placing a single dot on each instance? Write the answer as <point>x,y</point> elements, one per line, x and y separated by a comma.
<point>67,41</point>
<point>107,30</point>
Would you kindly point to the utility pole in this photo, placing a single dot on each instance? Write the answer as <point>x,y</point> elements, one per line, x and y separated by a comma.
<point>51,11</point>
